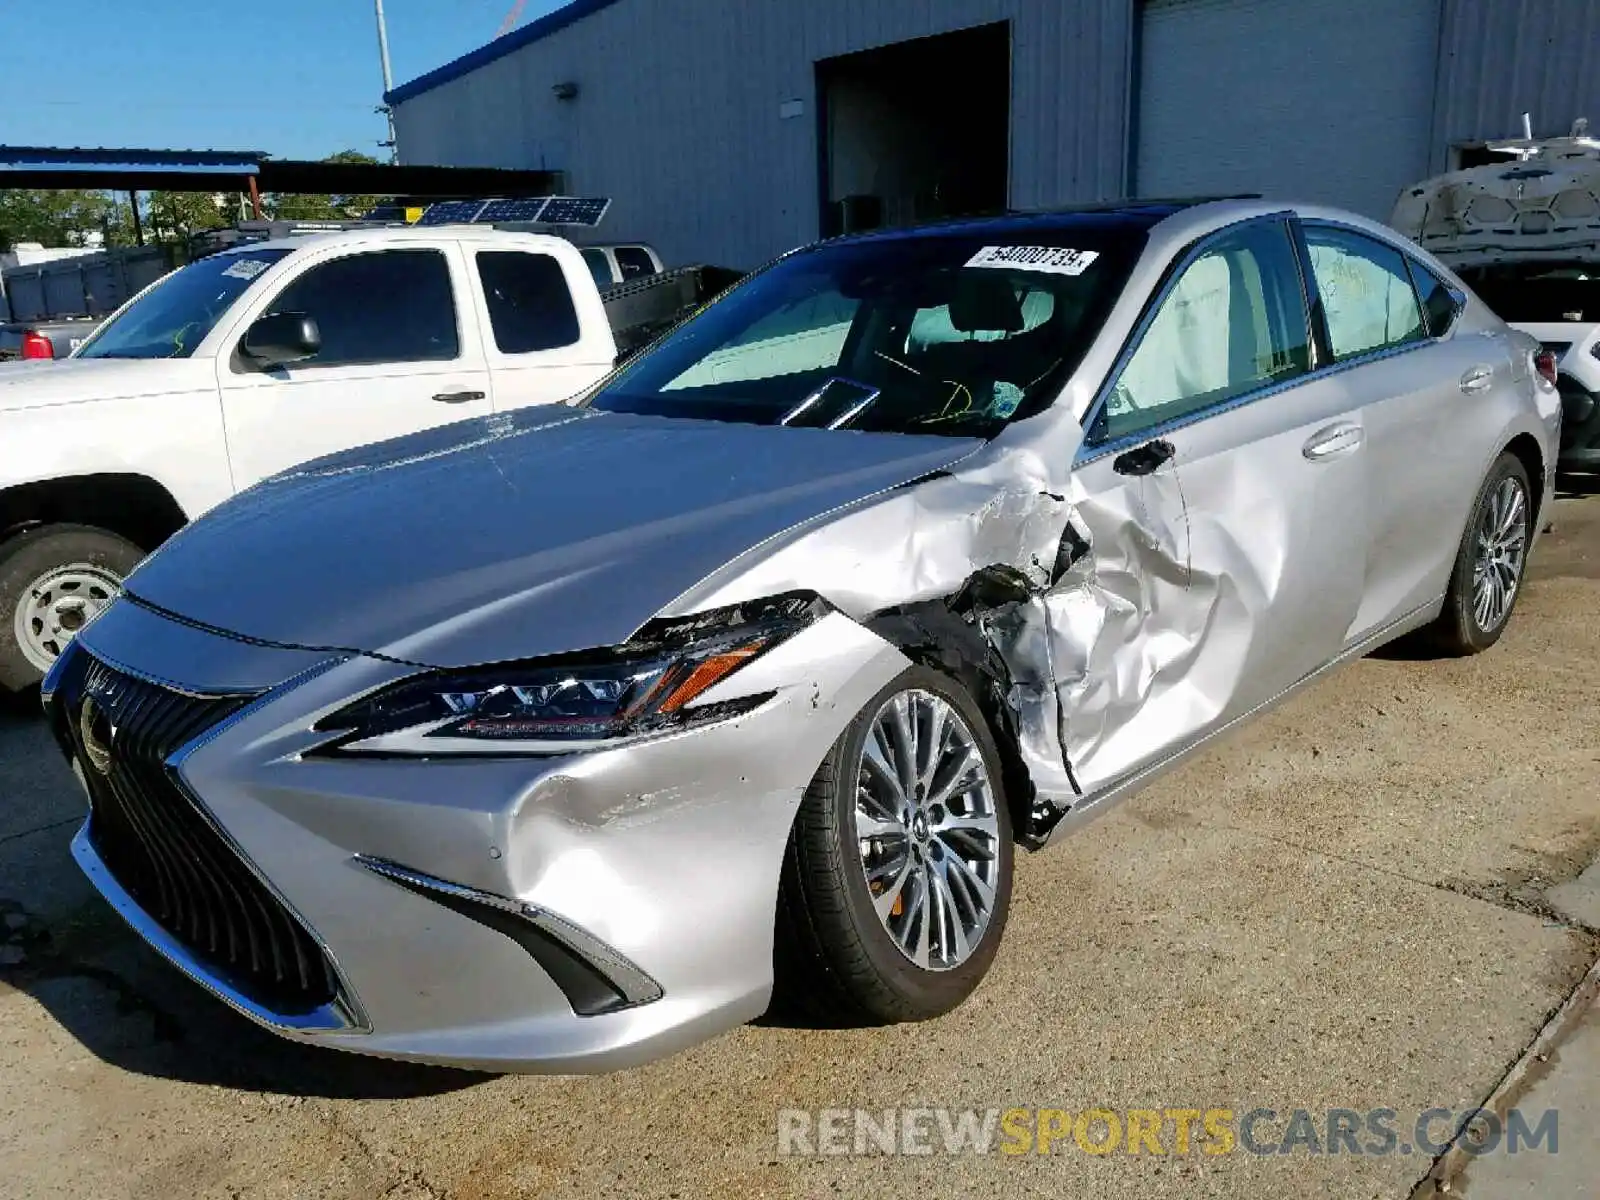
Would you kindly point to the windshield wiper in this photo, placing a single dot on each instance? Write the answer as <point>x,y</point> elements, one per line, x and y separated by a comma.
<point>833,405</point>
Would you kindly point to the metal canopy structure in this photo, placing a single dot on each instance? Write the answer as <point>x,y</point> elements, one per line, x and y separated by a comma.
<point>252,171</point>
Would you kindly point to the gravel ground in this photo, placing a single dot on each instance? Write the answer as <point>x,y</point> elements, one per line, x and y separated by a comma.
<point>1344,906</point>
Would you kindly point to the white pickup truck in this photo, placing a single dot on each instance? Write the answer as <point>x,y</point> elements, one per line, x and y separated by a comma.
<point>255,359</point>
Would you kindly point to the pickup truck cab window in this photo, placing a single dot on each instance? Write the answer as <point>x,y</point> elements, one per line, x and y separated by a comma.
<point>1366,292</point>
<point>392,306</point>
<point>599,267</point>
<point>1233,321</point>
<point>530,305</point>
<point>634,262</point>
<point>175,315</point>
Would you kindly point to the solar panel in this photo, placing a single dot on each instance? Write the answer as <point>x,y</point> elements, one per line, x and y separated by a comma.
<point>511,210</point>
<point>386,212</point>
<point>451,212</point>
<point>574,210</point>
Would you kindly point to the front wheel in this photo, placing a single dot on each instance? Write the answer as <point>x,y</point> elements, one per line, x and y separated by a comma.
<point>54,580</point>
<point>1490,561</point>
<point>897,879</point>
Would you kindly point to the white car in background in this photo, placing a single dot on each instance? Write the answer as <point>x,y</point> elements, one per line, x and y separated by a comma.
<point>1525,235</point>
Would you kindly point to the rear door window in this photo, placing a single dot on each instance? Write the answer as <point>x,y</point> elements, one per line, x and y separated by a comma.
<point>393,306</point>
<point>1439,307</point>
<point>1366,292</point>
<point>530,304</point>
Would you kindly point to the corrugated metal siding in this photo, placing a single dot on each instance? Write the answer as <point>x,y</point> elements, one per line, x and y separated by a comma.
<point>677,119</point>
<point>1501,58</point>
<point>679,102</point>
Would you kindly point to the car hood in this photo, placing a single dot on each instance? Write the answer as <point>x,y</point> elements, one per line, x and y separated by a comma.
<point>524,534</point>
<point>41,382</point>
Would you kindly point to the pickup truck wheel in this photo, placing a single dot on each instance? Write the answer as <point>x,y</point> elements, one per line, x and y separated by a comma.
<point>53,581</point>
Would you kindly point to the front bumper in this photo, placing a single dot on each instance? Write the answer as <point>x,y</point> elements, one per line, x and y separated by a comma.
<point>569,914</point>
<point>1580,427</point>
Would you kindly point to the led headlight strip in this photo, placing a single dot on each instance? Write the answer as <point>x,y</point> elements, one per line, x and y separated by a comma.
<point>574,702</point>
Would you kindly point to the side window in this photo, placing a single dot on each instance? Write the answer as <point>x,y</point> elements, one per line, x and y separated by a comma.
<point>1439,308</point>
<point>1234,321</point>
<point>1366,292</point>
<point>394,306</point>
<point>635,261</point>
<point>599,267</point>
<point>530,304</point>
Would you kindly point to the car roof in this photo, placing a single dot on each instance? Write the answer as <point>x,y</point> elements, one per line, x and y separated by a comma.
<point>398,235</point>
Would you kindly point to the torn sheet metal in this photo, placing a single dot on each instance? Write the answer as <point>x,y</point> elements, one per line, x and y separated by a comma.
<point>1076,586</point>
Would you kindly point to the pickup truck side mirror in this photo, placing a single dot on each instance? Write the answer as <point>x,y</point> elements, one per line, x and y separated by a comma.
<point>280,338</point>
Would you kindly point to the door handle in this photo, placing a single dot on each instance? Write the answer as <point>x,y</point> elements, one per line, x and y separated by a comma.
<point>459,397</point>
<point>1145,459</point>
<point>1333,442</point>
<point>1478,379</point>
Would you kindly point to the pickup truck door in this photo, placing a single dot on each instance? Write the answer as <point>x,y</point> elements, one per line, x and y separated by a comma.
<point>401,351</point>
<point>545,331</point>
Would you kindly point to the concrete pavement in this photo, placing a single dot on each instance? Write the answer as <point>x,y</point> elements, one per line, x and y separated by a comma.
<point>1349,905</point>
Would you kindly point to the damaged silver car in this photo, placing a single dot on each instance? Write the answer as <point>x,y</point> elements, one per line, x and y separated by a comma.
<point>561,740</point>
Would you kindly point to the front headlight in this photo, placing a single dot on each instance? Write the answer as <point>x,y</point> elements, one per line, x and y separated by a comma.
<point>575,702</point>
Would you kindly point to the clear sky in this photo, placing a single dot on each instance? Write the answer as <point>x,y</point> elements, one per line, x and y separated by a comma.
<point>293,78</point>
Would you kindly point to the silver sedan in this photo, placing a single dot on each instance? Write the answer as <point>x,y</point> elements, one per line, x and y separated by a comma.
<point>564,739</point>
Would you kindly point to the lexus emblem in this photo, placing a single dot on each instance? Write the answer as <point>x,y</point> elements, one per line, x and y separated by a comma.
<point>97,734</point>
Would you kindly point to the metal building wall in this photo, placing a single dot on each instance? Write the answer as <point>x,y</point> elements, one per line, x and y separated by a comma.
<point>1501,58</point>
<point>680,98</point>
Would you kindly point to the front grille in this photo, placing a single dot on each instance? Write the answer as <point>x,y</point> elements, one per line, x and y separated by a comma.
<point>167,853</point>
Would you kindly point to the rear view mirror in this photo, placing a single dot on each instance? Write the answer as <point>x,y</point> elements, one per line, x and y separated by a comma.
<point>281,338</point>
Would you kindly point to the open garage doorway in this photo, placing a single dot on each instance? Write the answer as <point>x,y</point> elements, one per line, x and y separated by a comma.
<point>916,131</point>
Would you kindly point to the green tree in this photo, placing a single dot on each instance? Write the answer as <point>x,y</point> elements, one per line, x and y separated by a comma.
<point>317,207</point>
<point>174,216</point>
<point>51,217</point>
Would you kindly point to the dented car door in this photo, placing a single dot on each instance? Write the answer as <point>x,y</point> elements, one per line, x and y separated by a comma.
<point>1220,489</point>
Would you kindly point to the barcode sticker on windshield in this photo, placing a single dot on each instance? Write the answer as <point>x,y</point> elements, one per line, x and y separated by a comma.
<point>246,268</point>
<point>1053,260</point>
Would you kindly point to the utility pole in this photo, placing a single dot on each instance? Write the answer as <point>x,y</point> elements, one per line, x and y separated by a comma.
<point>388,80</point>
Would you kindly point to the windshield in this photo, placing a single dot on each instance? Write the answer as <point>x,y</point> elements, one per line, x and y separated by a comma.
<point>1538,292</point>
<point>173,317</point>
<point>942,333</point>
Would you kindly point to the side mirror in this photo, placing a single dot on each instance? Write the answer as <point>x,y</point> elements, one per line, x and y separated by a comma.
<point>280,338</point>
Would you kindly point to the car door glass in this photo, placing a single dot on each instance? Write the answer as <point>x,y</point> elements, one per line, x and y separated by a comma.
<point>1439,307</point>
<point>635,262</point>
<point>393,306</point>
<point>530,304</point>
<point>1233,322</point>
<point>1366,292</point>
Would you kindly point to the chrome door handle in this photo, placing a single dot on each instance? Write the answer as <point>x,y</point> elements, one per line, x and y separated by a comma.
<point>459,397</point>
<point>1333,442</point>
<point>1478,379</point>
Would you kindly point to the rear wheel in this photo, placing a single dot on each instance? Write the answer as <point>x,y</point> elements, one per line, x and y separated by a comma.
<point>53,581</point>
<point>1490,561</point>
<point>897,880</point>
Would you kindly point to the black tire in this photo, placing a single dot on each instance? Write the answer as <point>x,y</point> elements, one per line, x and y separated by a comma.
<point>836,962</point>
<point>29,557</point>
<point>1458,630</point>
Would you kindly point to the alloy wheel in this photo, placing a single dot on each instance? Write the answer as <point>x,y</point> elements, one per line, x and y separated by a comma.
<point>1502,549</point>
<point>927,829</point>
